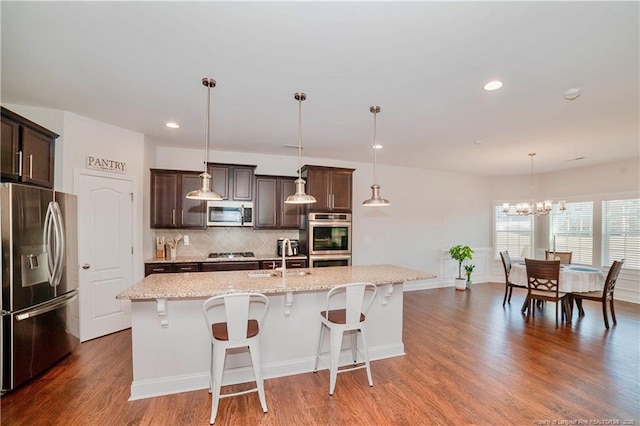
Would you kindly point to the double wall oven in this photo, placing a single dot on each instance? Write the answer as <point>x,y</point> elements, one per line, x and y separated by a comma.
<point>328,239</point>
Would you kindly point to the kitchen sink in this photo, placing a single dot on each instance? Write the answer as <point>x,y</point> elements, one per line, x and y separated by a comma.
<point>262,274</point>
<point>297,273</point>
<point>269,274</point>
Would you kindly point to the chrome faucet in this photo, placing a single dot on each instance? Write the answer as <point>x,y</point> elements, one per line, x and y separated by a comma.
<point>286,251</point>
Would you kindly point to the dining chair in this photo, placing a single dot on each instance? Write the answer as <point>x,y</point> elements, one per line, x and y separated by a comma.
<point>234,321</point>
<point>563,256</point>
<point>543,283</point>
<point>346,312</point>
<point>604,296</point>
<point>508,285</point>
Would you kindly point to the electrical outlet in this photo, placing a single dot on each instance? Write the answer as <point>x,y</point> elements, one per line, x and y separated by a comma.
<point>185,240</point>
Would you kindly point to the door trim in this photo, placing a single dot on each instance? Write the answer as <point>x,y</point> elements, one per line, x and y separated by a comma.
<point>136,253</point>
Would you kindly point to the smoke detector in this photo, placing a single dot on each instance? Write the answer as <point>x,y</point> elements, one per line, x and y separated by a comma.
<point>572,94</point>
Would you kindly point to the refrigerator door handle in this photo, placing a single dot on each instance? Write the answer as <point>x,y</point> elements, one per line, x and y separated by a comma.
<point>48,308</point>
<point>55,248</point>
<point>60,242</point>
<point>48,224</point>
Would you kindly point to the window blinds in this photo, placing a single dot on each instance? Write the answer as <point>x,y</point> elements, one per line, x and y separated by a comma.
<point>513,233</point>
<point>573,231</point>
<point>621,232</point>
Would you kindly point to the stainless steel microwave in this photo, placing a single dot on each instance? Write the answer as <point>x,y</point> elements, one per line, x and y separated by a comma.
<point>229,213</point>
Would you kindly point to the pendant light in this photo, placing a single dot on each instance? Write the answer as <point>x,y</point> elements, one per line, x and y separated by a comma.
<point>205,192</point>
<point>300,197</point>
<point>376,200</point>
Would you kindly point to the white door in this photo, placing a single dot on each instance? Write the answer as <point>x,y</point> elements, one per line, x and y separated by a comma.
<point>105,246</point>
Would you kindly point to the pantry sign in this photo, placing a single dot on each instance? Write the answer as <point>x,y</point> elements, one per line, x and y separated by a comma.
<point>105,164</point>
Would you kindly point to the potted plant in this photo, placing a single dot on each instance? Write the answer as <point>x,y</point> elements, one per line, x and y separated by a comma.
<point>468,269</point>
<point>460,253</point>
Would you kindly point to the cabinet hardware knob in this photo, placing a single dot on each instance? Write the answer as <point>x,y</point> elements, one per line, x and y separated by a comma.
<point>86,266</point>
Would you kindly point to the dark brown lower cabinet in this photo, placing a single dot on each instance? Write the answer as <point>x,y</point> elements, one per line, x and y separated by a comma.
<point>166,268</point>
<point>291,263</point>
<point>229,266</point>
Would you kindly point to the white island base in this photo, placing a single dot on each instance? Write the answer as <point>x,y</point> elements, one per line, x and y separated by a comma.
<point>174,357</point>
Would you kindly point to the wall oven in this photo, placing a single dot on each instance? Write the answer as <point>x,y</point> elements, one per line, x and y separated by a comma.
<point>229,213</point>
<point>329,234</point>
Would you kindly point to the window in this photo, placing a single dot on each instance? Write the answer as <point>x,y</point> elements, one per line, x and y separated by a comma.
<point>621,232</point>
<point>573,231</point>
<point>513,233</point>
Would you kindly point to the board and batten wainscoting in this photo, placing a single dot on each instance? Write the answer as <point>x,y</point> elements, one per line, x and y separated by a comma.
<point>448,271</point>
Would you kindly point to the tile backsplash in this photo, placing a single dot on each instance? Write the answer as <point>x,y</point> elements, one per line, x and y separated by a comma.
<point>227,239</point>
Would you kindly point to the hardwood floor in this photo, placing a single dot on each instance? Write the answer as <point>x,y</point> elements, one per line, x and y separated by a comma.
<point>468,361</point>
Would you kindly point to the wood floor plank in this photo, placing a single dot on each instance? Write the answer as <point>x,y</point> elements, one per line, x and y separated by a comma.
<point>469,361</point>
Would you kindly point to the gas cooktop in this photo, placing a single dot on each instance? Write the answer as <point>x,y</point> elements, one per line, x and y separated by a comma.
<point>231,255</point>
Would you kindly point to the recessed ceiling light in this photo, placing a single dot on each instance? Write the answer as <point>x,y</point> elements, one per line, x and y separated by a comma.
<point>377,146</point>
<point>493,85</point>
<point>172,125</point>
<point>478,142</point>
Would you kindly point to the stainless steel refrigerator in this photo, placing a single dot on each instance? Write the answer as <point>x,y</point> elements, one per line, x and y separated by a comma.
<point>39,321</point>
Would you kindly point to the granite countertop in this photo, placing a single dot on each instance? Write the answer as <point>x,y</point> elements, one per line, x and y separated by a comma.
<point>201,259</point>
<point>207,284</point>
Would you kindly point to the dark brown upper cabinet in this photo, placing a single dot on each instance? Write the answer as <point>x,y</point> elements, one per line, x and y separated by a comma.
<point>27,153</point>
<point>331,187</point>
<point>271,212</point>
<point>232,181</point>
<point>169,207</point>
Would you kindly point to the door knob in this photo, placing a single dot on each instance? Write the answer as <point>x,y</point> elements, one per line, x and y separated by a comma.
<point>86,266</point>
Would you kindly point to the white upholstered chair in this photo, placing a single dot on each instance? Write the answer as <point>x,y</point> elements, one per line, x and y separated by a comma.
<point>234,321</point>
<point>345,312</point>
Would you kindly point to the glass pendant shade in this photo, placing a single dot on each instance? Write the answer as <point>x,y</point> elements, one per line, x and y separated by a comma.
<point>205,192</point>
<point>300,197</point>
<point>376,199</point>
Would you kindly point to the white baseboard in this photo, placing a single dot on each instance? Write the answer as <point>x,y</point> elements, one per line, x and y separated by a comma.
<point>627,295</point>
<point>426,285</point>
<point>141,389</point>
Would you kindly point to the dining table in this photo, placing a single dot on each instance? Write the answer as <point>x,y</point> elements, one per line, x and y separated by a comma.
<point>573,279</point>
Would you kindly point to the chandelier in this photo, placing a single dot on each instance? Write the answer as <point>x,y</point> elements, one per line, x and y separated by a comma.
<point>534,208</point>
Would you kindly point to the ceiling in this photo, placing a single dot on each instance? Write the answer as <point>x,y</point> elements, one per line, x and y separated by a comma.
<point>138,65</point>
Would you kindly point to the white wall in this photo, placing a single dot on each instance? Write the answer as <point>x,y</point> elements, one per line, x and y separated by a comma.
<point>81,136</point>
<point>591,183</point>
<point>53,120</point>
<point>616,177</point>
<point>429,210</point>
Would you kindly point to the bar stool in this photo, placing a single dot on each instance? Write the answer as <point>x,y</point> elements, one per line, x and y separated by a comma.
<point>345,311</point>
<point>234,321</point>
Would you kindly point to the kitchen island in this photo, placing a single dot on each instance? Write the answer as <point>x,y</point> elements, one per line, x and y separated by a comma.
<point>171,348</point>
